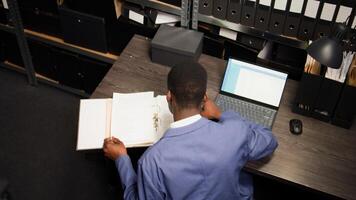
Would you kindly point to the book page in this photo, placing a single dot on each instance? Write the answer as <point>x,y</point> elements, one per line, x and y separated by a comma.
<point>93,123</point>
<point>165,117</point>
<point>132,118</point>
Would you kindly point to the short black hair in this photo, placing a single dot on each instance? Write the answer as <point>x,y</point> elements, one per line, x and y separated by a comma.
<point>187,82</point>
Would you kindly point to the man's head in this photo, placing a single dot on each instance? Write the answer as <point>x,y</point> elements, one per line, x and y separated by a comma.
<point>187,85</point>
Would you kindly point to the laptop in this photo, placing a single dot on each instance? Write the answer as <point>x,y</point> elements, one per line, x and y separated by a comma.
<point>251,90</point>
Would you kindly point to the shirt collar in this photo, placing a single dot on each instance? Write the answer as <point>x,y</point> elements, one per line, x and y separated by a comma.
<point>185,121</point>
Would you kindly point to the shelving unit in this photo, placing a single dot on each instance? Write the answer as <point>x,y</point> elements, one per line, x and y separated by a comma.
<point>254,32</point>
<point>7,28</point>
<point>58,42</point>
<point>158,5</point>
<point>43,79</point>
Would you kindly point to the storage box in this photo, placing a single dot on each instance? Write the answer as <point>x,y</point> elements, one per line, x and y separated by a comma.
<point>172,45</point>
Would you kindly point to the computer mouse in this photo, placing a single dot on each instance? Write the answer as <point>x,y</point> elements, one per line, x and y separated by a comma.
<point>295,126</point>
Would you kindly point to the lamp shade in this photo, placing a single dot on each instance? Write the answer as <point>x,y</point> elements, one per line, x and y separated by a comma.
<point>327,51</point>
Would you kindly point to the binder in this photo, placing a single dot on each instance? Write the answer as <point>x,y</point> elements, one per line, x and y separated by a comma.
<point>219,9</point>
<point>293,18</point>
<point>306,29</point>
<point>234,11</point>
<point>206,7</point>
<point>248,13</point>
<point>262,14</point>
<point>278,16</point>
<point>323,27</point>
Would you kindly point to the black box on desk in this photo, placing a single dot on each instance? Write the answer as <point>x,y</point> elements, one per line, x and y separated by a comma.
<point>345,109</point>
<point>317,97</point>
<point>172,45</point>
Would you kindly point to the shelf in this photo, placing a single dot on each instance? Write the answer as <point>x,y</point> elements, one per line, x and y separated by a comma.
<point>43,79</point>
<point>293,42</point>
<point>58,42</point>
<point>158,6</point>
<point>7,28</point>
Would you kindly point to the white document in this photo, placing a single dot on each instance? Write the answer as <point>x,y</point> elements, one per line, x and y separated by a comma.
<point>328,12</point>
<point>164,116</point>
<point>132,117</point>
<point>136,17</point>
<point>228,33</point>
<point>296,6</point>
<point>312,8</point>
<point>266,2</point>
<point>165,18</point>
<point>4,3</point>
<point>280,5</point>
<point>137,119</point>
<point>344,13</point>
<point>94,123</point>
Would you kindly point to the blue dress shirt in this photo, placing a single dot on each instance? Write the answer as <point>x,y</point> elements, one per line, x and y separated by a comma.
<point>202,160</point>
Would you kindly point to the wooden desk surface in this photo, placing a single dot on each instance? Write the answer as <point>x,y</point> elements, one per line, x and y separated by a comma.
<point>323,158</point>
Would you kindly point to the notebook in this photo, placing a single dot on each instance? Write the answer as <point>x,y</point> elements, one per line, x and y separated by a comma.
<point>137,119</point>
<point>251,90</point>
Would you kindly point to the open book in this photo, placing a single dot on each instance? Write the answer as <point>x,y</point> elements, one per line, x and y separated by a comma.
<point>137,119</point>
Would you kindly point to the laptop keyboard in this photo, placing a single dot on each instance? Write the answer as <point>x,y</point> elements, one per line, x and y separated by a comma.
<point>255,113</point>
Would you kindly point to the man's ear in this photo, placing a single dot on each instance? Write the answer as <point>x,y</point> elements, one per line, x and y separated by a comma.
<point>205,98</point>
<point>169,96</point>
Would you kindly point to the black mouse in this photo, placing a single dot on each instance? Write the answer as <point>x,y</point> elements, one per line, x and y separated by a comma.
<point>295,126</point>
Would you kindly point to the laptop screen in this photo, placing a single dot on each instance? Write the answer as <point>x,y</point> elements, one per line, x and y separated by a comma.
<point>254,82</point>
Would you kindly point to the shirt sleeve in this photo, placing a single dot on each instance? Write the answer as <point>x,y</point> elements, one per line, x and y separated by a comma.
<point>141,186</point>
<point>260,140</point>
<point>128,177</point>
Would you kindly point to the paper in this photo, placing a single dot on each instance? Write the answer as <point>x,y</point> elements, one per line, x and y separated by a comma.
<point>137,119</point>
<point>227,33</point>
<point>341,73</point>
<point>344,13</point>
<point>312,8</point>
<point>165,18</point>
<point>93,123</point>
<point>280,4</point>
<point>136,17</point>
<point>296,6</point>
<point>265,2</point>
<point>165,117</point>
<point>4,3</point>
<point>132,117</point>
<point>328,12</point>
<point>354,23</point>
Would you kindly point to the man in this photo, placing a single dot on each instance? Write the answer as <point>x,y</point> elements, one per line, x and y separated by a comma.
<point>196,158</point>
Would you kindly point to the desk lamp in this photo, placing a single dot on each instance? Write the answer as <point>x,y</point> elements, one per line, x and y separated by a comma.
<point>328,50</point>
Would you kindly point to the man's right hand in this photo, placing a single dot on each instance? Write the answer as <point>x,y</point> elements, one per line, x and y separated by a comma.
<point>210,109</point>
<point>113,148</point>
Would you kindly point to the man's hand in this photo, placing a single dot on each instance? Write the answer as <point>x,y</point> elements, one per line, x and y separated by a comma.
<point>210,109</point>
<point>114,148</point>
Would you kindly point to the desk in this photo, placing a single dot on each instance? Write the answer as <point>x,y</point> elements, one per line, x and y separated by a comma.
<point>323,158</point>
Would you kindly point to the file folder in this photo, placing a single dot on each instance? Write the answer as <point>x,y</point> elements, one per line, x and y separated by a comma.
<point>262,14</point>
<point>323,27</point>
<point>234,11</point>
<point>306,29</point>
<point>206,7</point>
<point>219,9</point>
<point>248,13</point>
<point>343,13</point>
<point>292,23</point>
<point>278,16</point>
